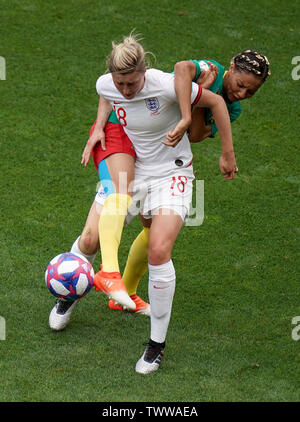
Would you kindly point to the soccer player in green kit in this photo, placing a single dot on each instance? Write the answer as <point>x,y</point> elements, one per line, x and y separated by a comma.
<point>247,72</point>
<point>234,108</point>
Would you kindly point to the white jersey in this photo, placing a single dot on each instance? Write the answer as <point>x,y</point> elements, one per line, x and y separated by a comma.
<point>147,118</point>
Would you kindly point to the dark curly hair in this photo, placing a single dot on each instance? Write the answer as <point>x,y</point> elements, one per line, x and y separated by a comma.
<point>252,62</point>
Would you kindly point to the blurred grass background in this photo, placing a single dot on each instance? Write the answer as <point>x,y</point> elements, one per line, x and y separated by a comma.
<point>237,274</point>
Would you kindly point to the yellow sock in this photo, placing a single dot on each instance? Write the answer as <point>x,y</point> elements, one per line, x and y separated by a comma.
<point>110,226</point>
<point>137,262</point>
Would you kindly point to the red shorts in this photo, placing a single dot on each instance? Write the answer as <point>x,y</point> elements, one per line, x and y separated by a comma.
<point>116,140</point>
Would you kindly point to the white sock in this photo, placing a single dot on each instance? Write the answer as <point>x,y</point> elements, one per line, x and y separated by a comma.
<point>161,288</point>
<point>75,249</point>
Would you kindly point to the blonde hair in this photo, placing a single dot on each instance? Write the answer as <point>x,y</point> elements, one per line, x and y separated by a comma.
<point>127,56</point>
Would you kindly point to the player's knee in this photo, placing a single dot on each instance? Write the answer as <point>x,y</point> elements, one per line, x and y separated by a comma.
<point>89,243</point>
<point>159,252</point>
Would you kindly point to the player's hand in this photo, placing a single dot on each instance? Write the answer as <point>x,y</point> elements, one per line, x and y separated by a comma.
<point>97,136</point>
<point>207,77</point>
<point>228,165</point>
<point>174,136</point>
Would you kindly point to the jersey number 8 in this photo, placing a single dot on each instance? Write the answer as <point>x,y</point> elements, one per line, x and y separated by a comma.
<point>121,114</point>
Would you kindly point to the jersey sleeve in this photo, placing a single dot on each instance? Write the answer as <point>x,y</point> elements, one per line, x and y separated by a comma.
<point>200,65</point>
<point>102,85</point>
<point>166,83</point>
<point>196,93</point>
<point>101,92</point>
<point>198,70</point>
<point>98,85</point>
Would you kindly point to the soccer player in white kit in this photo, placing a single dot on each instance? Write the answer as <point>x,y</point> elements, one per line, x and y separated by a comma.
<point>146,119</point>
<point>147,106</point>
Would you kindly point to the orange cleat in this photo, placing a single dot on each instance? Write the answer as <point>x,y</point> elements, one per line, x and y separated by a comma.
<point>141,306</point>
<point>113,286</point>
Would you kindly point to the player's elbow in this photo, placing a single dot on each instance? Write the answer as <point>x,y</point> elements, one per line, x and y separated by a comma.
<point>185,67</point>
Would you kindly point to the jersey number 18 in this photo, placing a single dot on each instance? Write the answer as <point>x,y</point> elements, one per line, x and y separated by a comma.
<point>121,114</point>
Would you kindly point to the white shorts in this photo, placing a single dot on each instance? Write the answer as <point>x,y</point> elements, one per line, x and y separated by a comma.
<point>150,195</point>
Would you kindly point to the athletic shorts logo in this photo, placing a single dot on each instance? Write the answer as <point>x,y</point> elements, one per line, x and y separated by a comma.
<point>152,104</point>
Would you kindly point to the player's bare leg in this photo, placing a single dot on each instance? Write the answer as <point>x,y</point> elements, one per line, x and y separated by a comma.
<point>87,245</point>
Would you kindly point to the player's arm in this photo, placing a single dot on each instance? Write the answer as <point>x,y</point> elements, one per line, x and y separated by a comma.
<point>98,135</point>
<point>218,107</point>
<point>185,72</point>
<point>198,130</point>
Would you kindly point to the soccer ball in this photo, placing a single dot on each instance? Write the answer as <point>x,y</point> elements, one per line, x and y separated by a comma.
<point>69,276</point>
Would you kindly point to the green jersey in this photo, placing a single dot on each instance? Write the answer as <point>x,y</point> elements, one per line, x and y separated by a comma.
<point>113,118</point>
<point>234,109</point>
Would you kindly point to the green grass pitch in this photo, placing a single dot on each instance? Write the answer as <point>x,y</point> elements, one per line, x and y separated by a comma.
<point>230,336</point>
